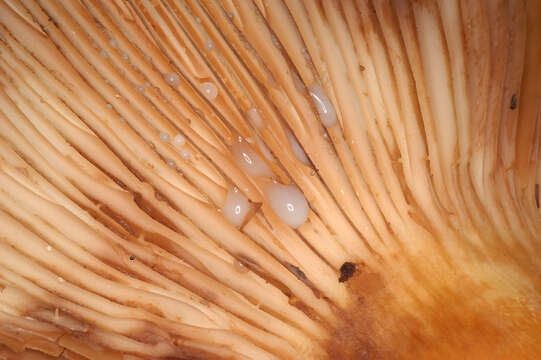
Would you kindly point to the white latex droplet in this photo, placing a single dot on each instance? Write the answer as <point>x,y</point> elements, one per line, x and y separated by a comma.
<point>236,207</point>
<point>209,90</point>
<point>288,202</point>
<point>164,137</point>
<point>255,118</point>
<point>172,79</point>
<point>179,140</point>
<point>185,154</point>
<point>323,105</point>
<point>297,148</point>
<point>249,160</point>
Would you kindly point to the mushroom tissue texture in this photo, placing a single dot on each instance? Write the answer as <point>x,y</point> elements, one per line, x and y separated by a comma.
<point>270,179</point>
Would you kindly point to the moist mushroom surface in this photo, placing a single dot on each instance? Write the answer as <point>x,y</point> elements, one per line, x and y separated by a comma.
<point>270,179</point>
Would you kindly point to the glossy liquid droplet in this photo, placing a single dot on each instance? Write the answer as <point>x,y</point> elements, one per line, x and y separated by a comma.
<point>297,148</point>
<point>164,137</point>
<point>179,140</point>
<point>172,79</point>
<point>255,117</point>
<point>298,83</point>
<point>171,163</point>
<point>323,105</point>
<point>185,154</point>
<point>249,160</point>
<point>209,90</point>
<point>236,207</point>
<point>288,202</point>
<point>209,45</point>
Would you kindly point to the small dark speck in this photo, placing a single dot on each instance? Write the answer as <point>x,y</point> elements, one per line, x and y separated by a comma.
<point>132,257</point>
<point>346,271</point>
<point>514,102</point>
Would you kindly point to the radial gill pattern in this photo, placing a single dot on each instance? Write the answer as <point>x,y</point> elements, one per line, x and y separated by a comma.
<point>270,179</point>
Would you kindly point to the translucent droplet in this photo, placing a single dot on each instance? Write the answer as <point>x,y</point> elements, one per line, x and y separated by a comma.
<point>255,117</point>
<point>236,207</point>
<point>109,106</point>
<point>125,57</point>
<point>209,44</point>
<point>172,79</point>
<point>179,140</point>
<point>164,136</point>
<point>140,88</point>
<point>297,148</point>
<point>103,54</point>
<point>326,112</point>
<point>171,163</point>
<point>275,41</point>
<point>249,161</point>
<point>49,248</point>
<point>113,43</point>
<point>185,154</point>
<point>298,82</point>
<point>288,202</point>
<point>209,90</point>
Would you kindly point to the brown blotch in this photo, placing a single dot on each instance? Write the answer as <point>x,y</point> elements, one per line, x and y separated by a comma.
<point>346,271</point>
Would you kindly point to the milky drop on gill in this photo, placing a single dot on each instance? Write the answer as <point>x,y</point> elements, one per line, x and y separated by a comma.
<point>172,79</point>
<point>249,160</point>
<point>179,140</point>
<point>209,90</point>
<point>236,207</point>
<point>297,148</point>
<point>288,202</point>
<point>164,136</point>
<point>323,105</point>
<point>255,117</point>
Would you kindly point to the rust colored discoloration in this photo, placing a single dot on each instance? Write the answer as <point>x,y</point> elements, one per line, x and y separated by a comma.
<point>488,311</point>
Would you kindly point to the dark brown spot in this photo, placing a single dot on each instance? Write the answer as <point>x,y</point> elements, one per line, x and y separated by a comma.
<point>346,271</point>
<point>132,257</point>
<point>514,102</point>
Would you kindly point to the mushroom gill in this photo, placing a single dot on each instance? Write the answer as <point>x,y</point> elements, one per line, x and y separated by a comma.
<point>270,179</point>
